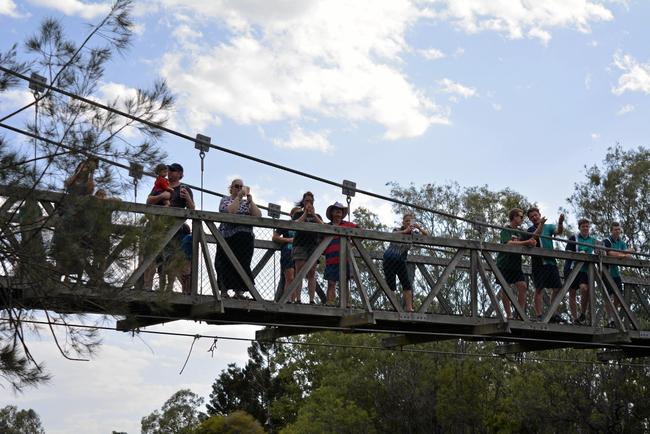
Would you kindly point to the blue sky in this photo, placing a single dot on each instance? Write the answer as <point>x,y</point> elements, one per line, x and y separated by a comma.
<point>508,93</point>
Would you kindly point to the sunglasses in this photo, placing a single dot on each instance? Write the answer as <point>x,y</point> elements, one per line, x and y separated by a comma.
<point>237,186</point>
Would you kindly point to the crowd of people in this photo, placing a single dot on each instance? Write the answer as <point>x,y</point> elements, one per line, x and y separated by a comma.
<point>234,256</point>
<point>544,270</point>
<point>296,247</point>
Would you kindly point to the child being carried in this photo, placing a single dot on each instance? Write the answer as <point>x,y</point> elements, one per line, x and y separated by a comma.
<point>161,186</point>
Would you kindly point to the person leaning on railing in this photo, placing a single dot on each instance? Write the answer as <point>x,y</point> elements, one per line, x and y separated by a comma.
<point>181,197</point>
<point>72,240</point>
<point>284,237</point>
<point>395,260</point>
<point>240,239</point>
<point>304,243</point>
<point>510,263</point>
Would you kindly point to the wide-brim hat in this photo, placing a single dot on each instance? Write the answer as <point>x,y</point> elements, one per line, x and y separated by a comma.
<point>338,205</point>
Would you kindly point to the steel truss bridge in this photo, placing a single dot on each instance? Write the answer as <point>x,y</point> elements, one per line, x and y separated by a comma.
<point>462,270</point>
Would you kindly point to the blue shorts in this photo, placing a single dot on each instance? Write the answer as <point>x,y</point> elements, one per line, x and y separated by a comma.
<point>332,272</point>
<point>286,261</point>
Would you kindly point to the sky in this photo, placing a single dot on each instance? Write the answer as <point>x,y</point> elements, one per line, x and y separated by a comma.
<point>504,93</point>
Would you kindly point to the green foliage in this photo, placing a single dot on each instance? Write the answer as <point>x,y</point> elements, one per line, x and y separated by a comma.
<point>328,411</point>
<point>75,130</point>
<point>238,422</point>
<point>14,421</point>
<point>179,415</point>
<point>617,190</point>
<point>252,389</point>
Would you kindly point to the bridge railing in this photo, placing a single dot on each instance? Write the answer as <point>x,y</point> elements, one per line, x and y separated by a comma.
<point>113,244</point>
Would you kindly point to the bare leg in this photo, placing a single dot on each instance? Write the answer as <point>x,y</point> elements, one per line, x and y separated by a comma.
<point>311,283</point>
<point>506,303</point>
<point>408,300</point>
<point>584,302</point>
<point>572,304</point>
<point>298,264</point>
<point>538,301</point>
<point>521,294</point>
<point>289,275</point>
<point>148,277</point>
<point>331,291</point>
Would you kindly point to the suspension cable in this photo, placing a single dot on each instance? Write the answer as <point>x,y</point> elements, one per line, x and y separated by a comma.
<point>270,163</point>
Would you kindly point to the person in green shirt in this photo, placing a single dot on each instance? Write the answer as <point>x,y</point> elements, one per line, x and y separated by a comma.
<point>583,242</point>
<point>614,241</point>
<point>510,263</point>
<point>545,272</point>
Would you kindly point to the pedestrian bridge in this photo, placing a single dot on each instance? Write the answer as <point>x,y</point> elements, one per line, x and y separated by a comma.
<point>456,281</point>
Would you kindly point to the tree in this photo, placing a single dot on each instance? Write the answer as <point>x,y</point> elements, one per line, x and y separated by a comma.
<point>252,389</point>
<point>179,415</point>
<point>14,421</point>
<point>617,190</point>
<point>235,423</point>
<point>328,411</point>
<point>74,131</point>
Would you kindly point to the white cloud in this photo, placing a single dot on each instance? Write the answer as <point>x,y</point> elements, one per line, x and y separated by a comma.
<point>432,54</point>
<point>115,91</point>
<point>15,98</point>
<point>588,81</point>
<point>628,108</point>
<point>636,76</point>
<point>75,7</point>
<point>293,60</point>
<point>8,7</point>
<point>595,136</point>
<point>300,139</point>
<point>456,89</point>
<point>519,18</point>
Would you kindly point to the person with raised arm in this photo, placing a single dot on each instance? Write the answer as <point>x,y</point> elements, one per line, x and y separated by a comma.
<point>240,239</point>
<point>304,243</point>
<point>510,263</point>
<point>545,272</point>
<point>394,260</point>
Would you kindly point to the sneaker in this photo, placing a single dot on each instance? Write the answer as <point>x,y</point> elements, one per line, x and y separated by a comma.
<point>312,302</point>
<point>582,318</point>
<point>611,325</point>
<point>556,319</point>
<point>539,318</point>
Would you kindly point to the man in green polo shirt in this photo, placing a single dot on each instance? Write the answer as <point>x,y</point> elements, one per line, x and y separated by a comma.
<point>581,243</point>
<point>614,241</point>
<point>545,272</point>
<point>510,263</point>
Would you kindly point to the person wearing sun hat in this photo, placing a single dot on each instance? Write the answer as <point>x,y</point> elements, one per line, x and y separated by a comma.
<point>335,213</point>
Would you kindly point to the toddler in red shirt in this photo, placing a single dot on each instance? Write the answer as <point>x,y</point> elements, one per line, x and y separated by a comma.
<point>161,186</point>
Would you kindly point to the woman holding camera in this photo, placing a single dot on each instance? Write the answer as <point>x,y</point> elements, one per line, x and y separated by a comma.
<point>240,239</point>
<point>304,243</point>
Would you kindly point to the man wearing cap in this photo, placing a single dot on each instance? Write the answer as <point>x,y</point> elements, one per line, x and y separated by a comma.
<point>335,213</point>
<point>181,197</point>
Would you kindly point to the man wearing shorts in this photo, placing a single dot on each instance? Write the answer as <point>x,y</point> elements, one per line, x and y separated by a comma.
<point>581,243</point>
<point>510,263</point>
<point>335,213</point>
<point>545,272</point>
<point>614,241</point>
